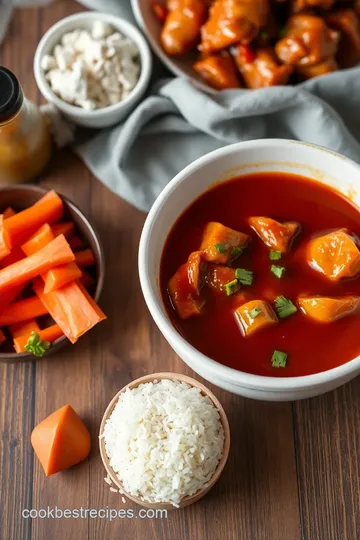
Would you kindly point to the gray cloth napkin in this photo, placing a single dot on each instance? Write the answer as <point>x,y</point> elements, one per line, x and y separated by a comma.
<point>176,124</point>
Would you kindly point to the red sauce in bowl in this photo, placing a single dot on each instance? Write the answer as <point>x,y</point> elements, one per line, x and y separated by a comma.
<point>311,347</point>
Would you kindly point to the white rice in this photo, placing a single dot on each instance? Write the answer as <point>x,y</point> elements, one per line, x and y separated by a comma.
<point>164,440</point>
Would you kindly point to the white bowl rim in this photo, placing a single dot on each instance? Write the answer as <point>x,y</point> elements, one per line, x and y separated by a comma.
<point>220,371</point>
<point>120,24</point>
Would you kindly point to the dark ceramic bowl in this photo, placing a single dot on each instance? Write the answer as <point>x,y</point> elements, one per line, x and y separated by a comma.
<point>24,195</point>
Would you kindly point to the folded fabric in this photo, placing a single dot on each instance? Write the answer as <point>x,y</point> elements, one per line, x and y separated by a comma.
<point>177,123</point>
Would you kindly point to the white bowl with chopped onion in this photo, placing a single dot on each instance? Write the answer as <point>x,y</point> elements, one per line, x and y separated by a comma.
<point>94,67</point>
<point>164,440</point>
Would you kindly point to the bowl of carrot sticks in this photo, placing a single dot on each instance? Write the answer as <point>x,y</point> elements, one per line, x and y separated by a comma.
<point>51,273</point>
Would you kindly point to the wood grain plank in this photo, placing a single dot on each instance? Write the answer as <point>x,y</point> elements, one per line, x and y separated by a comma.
<point>328,456</point>
<point>17,380</point>
<point>60,379</point>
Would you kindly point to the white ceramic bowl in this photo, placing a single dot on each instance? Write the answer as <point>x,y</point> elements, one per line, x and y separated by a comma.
<point>234,160</point>
<point>179,66</point>
<point>107,116</point>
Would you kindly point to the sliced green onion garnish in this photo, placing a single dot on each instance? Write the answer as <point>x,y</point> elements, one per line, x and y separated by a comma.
<point>275,255</point>
<point>254,312</point>
<point>235,252</point>
<point>232,287</point>
<point>278,271</point>
<point>220,248</point>
<point>245,277</point>
<point>279,359</point>
<point>284,307</point>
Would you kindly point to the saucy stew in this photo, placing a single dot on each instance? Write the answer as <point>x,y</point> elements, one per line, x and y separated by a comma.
<point>260,274</point>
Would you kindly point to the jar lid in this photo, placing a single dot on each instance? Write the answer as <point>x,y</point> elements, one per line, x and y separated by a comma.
<point>11,95</point>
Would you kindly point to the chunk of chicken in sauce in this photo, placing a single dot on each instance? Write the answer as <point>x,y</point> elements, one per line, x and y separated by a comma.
<point>217,277</point>
<point>336,255</point>
<point>219,71</point>
<point>254,316</point>
<point>231,22</point>
<point>347,22</point>
<point>277,236</point>
<point>308,41</point>
<point>185,286</point>
<point>260,68</point>
<point>304,5</point>
<point>324,68</point>
<point>221,244</point>
<point>181,30</point>
<point>327,309</point>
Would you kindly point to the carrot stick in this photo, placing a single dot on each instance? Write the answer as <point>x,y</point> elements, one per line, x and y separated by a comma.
<point>75,242</point>
<point>24,328</point>
<point>86,279</point>
<point>2,337</point>
<point>85,258</point>
<point>9,212</point>
<point>40,239</point>
<point>4,239</point>
<point>22,311</point>
<point>48,209</point>
<point>52,333</point>
<point>56,253</point>
<point>71,308</point>
<point>64,227</point>
<point>60,276</point>
<point>14,256</point>
<point>10,295</point>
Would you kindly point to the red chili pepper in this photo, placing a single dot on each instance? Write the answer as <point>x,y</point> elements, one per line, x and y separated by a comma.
<point>247,54</point>
<point>160,10</point>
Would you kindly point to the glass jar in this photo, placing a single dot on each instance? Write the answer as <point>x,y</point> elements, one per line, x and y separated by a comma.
<point>25,142</point>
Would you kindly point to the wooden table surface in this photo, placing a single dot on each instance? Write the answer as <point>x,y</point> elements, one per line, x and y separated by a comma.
<point>293,471</point>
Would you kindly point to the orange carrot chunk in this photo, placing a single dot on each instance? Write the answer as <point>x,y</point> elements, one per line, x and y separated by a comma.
<point>85,258</point>
<point>75,242</point>
<point>48,209</point>
<point>86,280</point>
<point>2,337</point>
<point>51,334</point>
<point>61,440</point>
<point>24,328</point>
<point>71,307</point>
<point>9,296</point>
<point>23,310</point>
<point>40,239</point>
<point>14,256</point>
<point>60,276</point>
<point>65,227</point>
<point>4,239</point>
<point>9,212</point>
<point>55,253</point>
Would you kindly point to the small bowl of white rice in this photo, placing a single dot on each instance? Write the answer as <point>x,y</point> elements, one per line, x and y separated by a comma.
<point>164,440</point>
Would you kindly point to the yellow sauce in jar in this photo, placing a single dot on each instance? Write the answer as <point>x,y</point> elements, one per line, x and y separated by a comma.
<point>25,142</point>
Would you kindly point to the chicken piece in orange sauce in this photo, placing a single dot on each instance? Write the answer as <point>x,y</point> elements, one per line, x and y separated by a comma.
<point>347,22</point>
<point>275,235</point>
<point>327,309</point>
<point>181,30</point>
<point>260,67</point>
<point>219,71</point>
<point>303,5</point>
<point>217,277</point>
<point>185,286</point>
<point>254,316</point>
<point>231,22</point>
<point>308,41</point>
<point>336,255</point>
<point>324,68</point>
<point>221,244</point>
